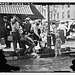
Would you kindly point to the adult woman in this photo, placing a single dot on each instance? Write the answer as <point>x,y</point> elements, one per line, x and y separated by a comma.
<point>15,32</point>
<point>7,29</point>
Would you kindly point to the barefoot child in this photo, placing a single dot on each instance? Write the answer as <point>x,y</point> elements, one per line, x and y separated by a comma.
<point>58,45</point>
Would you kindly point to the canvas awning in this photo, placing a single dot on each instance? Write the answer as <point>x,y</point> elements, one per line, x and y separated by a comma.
<point>37,14</point>
<point>15,9</point>
<point>23,11</point>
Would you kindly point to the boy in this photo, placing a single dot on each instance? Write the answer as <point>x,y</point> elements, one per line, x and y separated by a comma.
<point>58,45</point>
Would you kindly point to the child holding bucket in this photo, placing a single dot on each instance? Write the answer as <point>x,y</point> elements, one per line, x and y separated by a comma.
<point>58,45</point>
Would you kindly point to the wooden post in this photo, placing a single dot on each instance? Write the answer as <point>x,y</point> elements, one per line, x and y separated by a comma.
<point>48,34</point>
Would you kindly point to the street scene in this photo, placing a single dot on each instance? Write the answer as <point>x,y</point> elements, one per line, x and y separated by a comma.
<point>37,37</point>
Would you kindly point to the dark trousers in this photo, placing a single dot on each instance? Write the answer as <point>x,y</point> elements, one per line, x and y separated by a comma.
<point>25,42</point>
<point>8,43</point>
<point>16,38</point>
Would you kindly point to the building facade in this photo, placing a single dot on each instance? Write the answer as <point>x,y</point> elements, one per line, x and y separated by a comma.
<point>58,12</point>
<point>62,12</point>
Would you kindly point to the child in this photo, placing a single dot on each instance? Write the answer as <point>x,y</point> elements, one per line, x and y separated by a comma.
<point>58,45</point>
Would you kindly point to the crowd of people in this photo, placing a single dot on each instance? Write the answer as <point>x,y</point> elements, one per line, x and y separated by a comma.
<point>30,33</point>
<point>59,34</point>
<point>26,34</point>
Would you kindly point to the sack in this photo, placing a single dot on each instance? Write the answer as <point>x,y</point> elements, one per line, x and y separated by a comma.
<point>10,38</point>
<point>2,41</point>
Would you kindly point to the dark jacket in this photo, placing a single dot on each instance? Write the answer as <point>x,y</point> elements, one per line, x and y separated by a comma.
<point>7,28</point>
<point>27,27</point>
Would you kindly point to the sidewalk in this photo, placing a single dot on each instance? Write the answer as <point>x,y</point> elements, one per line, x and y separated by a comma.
<point>10,49</point>
<point>70,44</point>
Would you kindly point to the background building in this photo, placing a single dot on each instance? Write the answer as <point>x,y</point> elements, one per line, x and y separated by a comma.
<point>62,12</point>
<point>58,12</point>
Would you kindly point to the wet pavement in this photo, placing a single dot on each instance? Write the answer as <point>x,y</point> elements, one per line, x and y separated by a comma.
<point>48,64</point>
<point>43,64</point>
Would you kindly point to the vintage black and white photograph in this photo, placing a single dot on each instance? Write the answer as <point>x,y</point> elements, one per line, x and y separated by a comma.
<point>37,37</point>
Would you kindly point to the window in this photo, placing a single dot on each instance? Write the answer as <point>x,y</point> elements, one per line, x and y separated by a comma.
<point>68,14</point>
<point>57,6</point>
<point>68,6</point>
<point>54,16</point>
<point>50,11</point>
<point>62,6</point>
<point>62,15</point>
<point>51,16</point>
<point>53,7</point>
<point>57,15</point>
<point>45,13</point>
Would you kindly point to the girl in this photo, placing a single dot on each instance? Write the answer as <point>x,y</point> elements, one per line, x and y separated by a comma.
<point>58,45</point>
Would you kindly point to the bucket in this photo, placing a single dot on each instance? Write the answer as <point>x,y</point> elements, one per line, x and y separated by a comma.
<point>2,41</point>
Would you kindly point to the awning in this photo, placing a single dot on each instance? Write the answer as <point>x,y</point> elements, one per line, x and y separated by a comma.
<point>22,11</point>
<point>33,17</point>
<point>36,12</point>
<point>15,9</point>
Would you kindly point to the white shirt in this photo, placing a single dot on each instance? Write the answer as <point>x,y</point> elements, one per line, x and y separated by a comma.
<point>35,29</point>
<point>15,26</point>
<point>62,27</point>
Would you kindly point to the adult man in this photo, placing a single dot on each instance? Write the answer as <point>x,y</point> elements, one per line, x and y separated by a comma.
<point>27,25</point>
<point>7,29</point>
<point>35,28</point>
<point>25,39</point>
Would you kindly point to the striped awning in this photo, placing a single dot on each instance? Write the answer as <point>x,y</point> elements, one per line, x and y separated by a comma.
<point>15,9</point>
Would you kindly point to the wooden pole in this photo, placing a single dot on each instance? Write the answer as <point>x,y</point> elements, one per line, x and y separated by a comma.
<point>48,35</point>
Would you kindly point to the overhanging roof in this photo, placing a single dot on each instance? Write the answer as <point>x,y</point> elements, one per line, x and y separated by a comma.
<point>22,11</point>
<point>35,11</point>
<point>15,9</point>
